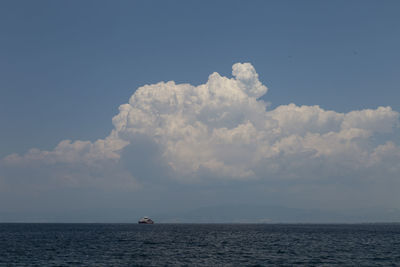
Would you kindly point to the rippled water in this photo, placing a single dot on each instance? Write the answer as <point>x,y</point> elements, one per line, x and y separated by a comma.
<point>198,244</point>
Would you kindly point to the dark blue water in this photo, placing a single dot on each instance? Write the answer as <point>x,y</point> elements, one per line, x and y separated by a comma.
<point>201,244</point>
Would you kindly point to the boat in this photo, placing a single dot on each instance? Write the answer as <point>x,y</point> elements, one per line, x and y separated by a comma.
<point>146,220</point>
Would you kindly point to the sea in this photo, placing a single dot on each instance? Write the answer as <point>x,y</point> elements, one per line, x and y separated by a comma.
<point>44,244</point>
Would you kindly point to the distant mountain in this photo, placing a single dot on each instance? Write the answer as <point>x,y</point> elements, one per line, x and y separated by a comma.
<point>233,213</point>
<point>242,213</point>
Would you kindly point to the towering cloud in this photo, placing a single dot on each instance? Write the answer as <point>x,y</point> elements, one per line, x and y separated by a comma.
<point>218,130</point>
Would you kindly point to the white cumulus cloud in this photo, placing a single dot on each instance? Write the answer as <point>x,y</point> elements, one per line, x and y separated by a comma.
<point>222,129</point>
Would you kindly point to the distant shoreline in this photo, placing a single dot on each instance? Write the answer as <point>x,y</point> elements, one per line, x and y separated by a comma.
<point>217,223</point>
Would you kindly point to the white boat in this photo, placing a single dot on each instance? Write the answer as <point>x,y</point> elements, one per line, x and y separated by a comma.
<point>145,220</point>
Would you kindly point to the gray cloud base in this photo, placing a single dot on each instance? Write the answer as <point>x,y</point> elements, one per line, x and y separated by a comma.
<point>173,134</point>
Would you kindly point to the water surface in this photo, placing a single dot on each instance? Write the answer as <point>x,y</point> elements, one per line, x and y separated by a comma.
<point>199,244</point>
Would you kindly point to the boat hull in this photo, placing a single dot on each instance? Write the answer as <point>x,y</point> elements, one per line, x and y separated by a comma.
<point>145,221</point>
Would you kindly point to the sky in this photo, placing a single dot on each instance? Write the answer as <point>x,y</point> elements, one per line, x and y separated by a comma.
<point>112,109</point>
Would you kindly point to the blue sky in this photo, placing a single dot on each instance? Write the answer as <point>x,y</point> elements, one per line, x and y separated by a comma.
<point>66,66</point>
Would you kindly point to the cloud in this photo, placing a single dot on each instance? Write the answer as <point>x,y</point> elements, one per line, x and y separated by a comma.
<point>223,127</point>
<point>220,130</point>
